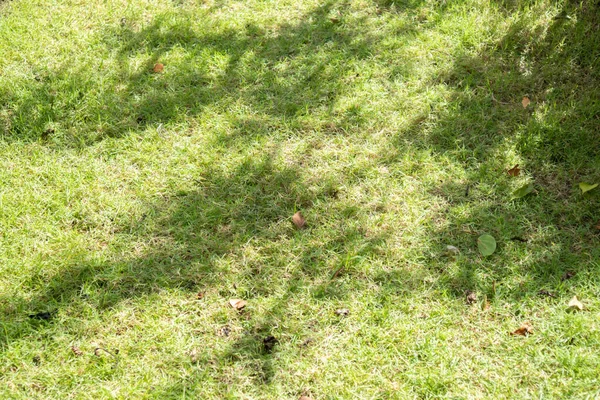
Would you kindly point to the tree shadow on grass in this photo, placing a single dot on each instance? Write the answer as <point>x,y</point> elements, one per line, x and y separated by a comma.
<point>189,240</point>
<point>283,72</point>
<point>550,235</point>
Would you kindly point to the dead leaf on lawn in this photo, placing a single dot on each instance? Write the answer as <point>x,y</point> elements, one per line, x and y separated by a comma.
<point>342,312</point>
<point>514,171</point>
<point>471,297</point>
<point>158,67</point>
<point>575,304</point>
<point>597,226</point>
<point>525,101</point>
<point>200,295</point>
<point>524,330</point>
<point>238,304</point>
<point>76,351</point>
<point>304,398</point>
<point>299,220</point>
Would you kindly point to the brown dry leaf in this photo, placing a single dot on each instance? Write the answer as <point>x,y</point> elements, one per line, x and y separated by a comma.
<point>525,101</point>
<point>575,304</point>
<point>514,171</point>
<point>76,351</point>
<point>597,226</point>
<point>304,398</point>
<point>158,67</point>
<point>200,296</point>
<point>238,304</point>
<point>299,220</point>
<point>524,330</point>
<point>471,297</point>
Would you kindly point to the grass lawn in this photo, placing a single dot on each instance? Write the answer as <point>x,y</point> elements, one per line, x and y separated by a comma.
<point>136,201</point>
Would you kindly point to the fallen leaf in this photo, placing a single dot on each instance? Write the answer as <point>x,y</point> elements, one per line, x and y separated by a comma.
<point>238,304</point>
<point>586,187</point>
<point>514,171</point>
<point>575,304</point>
<point>299,220</point>
<point>525,101</point>
<point>304,398</point>
<point>524,330</point>
<point>471,297</point>
<point>97,351</point>
<point>523,191</point>
<point>200,295</point>
<point>269,343</point>
<point>342,312</point>
<point>76,351</point>
<point>567,275</point>
<point>158,67</point>
<point>486,244</point>
<point>597,226</point>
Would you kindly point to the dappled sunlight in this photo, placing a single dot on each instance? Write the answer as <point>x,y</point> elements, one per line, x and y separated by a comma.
<point>140,202</point>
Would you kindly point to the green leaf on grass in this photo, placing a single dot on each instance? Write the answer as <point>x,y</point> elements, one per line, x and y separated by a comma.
<point>586,187</point>
<point>523,191</point>
<point>486,244</point>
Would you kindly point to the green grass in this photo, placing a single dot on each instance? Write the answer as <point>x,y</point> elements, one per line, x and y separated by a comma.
<point>390,125</point>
